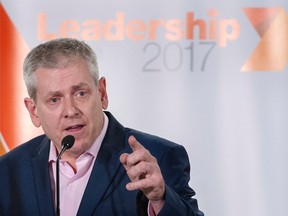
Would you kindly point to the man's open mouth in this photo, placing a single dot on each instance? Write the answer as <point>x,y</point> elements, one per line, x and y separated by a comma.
<point>74,128</point>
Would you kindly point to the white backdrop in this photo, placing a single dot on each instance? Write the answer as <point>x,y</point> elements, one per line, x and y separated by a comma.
<point>190,90</point>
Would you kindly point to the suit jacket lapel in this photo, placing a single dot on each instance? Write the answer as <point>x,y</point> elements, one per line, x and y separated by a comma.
<point>103,177</point>
<point>42,178</point>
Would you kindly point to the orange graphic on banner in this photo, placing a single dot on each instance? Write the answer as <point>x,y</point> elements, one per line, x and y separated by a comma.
<point>3,147</point>
<point>271,54</point>
<point>2,150</point>
<point>12,52</point>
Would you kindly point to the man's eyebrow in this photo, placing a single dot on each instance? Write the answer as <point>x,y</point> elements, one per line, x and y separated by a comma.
<point>74,87</point>
<point>79,86</point>
<point>54,93</point>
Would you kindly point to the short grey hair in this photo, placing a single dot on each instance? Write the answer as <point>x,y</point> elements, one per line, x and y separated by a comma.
<point>51,55</point>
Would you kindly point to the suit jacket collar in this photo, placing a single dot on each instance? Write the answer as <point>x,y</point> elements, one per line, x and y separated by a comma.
<point>42,178</point>
<point>103,177</point>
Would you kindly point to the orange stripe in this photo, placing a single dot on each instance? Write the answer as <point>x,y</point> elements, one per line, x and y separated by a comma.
<point>2,149</point>
<point>12,52</point>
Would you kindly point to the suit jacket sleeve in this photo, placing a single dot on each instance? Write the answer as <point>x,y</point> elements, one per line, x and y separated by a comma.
<point>175,168</point>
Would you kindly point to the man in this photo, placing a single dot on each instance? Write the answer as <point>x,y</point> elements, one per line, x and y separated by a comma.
<point>110,170</point>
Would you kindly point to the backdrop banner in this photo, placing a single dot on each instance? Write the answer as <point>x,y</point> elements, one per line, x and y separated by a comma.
<point>210,75</point>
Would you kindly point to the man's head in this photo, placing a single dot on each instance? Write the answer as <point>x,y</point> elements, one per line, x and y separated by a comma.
<point>53,54</point>
<point>66,96</point>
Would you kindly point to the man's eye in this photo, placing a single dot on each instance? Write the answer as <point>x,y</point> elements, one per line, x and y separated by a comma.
<point>81,93</point>
<point>53,100</point>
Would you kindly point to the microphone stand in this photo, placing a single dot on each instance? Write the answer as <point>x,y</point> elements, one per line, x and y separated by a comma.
<point>67,143</point>
<point>57,183</point>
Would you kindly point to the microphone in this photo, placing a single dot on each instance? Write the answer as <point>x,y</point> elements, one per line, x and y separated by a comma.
<point>67,143</point>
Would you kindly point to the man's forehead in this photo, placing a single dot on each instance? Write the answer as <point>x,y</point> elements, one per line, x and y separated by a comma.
<point>61,61</point>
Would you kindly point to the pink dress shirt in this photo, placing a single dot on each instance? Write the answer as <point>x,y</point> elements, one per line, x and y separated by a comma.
<point>72,185</point>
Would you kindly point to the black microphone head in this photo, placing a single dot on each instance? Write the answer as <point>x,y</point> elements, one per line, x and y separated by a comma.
<point>68,141</point>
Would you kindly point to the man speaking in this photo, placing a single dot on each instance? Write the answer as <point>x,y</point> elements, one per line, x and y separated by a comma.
<point>110,169</point>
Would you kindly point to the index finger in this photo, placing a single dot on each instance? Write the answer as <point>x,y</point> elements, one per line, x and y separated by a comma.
<point>134,144</point>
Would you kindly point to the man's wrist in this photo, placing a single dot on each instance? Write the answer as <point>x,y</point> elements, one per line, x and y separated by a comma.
<point>157,206</point>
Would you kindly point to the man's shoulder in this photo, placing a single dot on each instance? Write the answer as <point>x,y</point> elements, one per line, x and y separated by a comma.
<point>24,149</point>
<point>164,150</point>
<point>151,141</point>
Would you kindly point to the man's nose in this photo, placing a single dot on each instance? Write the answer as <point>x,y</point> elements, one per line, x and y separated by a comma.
<point>70,109</point>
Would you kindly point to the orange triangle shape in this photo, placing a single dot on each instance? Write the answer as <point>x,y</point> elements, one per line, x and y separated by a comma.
<point>261,18</point>
<point>12,52</point>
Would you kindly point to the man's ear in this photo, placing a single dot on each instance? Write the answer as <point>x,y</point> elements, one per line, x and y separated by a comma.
<point>103,92</point>
<point>32,109</point>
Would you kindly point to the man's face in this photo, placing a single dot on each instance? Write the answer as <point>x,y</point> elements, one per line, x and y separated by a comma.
<point>69,102</point>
